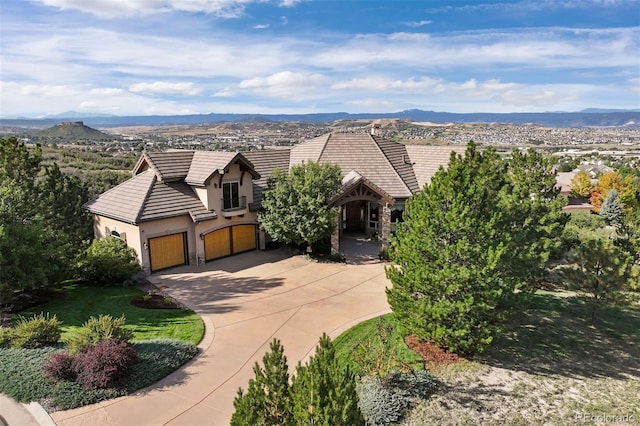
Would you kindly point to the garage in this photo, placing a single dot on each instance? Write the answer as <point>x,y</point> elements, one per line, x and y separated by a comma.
<point>230,240</point>
<point>168,251</point>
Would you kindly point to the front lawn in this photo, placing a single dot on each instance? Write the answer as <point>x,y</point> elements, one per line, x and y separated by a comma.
<point>549,366</point>
<point>164,339</point>
<point>82,302</point>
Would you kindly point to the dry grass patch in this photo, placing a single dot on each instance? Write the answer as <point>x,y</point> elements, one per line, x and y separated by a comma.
<point>548,367</point>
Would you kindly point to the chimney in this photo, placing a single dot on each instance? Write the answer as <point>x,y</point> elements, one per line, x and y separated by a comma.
<point>375,128</point>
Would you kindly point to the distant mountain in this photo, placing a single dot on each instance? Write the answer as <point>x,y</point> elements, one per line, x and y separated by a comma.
<point>589,118</point>
<point>75,115</point>
<point>71,130</point>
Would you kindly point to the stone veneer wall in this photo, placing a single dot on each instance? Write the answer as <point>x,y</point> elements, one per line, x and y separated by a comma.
<point>385,227</point>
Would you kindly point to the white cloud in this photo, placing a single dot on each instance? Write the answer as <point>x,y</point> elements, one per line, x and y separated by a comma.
<point>384,84</point>
<point>285,84</point>
<point>260,26</point>
<point>372,103</point>
<point>289,3</point>
<point>415,24</point>
<point>47,91</point>
<point>106,91</point>
<point>224,93</point>
<point>165,88</point>
<point>118,8</point>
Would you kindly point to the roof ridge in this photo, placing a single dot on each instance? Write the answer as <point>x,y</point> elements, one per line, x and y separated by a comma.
<point>324,146</point>
<point>375,142</point>
<point>146,197</point>
<point>152,164</point>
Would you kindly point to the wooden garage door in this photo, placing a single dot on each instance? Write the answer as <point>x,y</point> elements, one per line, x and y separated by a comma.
<point>244,238</point>
<point>217,244</point>
<point>167,251</point>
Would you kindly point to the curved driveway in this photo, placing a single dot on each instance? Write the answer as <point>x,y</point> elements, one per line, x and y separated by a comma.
<point>245,301</point>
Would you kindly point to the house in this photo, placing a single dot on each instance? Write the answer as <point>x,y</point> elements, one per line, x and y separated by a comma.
<point>189,207</point>
<point>563,183</point>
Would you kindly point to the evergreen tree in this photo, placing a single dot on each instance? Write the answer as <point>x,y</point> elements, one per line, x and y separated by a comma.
<point>598,267</point>
<point>611,209</point>
<point>535,219</point>
<point>267,400</point>
<point>478,231</point>
<point>324,393</point>
<point>296,203</point>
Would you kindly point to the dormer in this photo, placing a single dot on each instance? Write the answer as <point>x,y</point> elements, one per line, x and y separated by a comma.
<point>223,181</point>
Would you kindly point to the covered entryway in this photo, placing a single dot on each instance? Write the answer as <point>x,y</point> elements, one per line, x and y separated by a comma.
<point>354,217</point>
<point>230,240</point>
<point>168,251</point>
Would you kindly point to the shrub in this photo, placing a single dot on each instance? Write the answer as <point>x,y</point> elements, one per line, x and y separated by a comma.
<point>385,401</point>
<point>36,332</point>
<point>97,330</point>
<point>413,385</point>
<point>6,334</point>
<point>109,262</point>
<point>59,367</point>
<point>104,365</point>
<point>379,406</point>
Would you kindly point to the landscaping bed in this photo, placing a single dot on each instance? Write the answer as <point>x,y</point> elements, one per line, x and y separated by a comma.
<point>162,340</point>
<point>548,366</point>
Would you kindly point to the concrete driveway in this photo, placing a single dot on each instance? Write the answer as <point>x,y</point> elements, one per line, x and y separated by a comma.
<point>245,301</point>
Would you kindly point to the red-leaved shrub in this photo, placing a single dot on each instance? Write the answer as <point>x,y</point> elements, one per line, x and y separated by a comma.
<point>59,366</point>
<point>104,365</point>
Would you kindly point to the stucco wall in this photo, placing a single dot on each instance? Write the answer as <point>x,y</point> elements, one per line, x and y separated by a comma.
<point>103,226</point>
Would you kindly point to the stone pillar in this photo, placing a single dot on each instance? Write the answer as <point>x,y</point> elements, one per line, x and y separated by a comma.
<point>335,235</point>
<point>385,227</point>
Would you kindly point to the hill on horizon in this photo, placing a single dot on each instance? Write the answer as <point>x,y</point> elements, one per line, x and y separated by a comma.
<point>71,130</point>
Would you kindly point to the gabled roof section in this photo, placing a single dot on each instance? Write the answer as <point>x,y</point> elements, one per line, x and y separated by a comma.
<point>125,201</point>
<point>173,199</point>
<point>310,150</point>
<point>265,162</point>
<point>168,166</point>
<point>360,152</point>
<point>207,163</point>
<point>356,185</point>
<point>144,197</point>
<point>426,160</point>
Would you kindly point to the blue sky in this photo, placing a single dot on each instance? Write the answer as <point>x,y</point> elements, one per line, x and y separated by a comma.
<point>142,57</point>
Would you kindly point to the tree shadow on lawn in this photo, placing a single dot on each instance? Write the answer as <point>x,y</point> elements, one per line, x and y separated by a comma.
<point>551,335</point>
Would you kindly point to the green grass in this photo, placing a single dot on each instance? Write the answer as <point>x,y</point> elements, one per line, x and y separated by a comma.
<point>366,337</point>
<point>82,302</point>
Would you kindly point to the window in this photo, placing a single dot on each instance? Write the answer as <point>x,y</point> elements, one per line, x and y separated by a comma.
<point>230,195</point>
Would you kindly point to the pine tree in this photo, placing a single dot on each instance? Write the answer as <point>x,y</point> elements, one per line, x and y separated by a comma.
<point>267,400</point>
<point>324,393</point>
<point>611,209</point>
<point>478,231</point>
<point>598,267</point>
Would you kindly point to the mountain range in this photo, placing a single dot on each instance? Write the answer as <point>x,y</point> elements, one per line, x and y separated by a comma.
<point>587,118</point>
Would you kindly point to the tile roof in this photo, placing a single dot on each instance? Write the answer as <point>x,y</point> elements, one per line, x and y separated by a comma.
<point>397,155</point>
<point>173,199</point>
<point>352,179</point>
<point>144,197</point>
<point>361,152</point>
<point>265,162</point>
<point>169,165</point>
<point>309,150</point>
<point>124,202</point>
<point>205,164</point>
<point>426,160</point>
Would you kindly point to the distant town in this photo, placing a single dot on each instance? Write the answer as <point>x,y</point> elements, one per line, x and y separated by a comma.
<point>245,136</point>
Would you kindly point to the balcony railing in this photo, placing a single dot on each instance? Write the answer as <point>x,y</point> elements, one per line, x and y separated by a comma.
<point>231,204</point>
